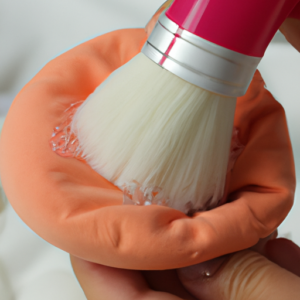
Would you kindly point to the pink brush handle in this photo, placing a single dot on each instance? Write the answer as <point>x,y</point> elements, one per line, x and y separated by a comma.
<point>244,26</point>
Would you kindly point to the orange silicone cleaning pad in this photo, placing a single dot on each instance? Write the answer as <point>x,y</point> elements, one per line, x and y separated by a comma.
<point>68,204</point>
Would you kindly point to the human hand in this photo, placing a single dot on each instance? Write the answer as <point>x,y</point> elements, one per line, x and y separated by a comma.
<point>106,283</point>
<point>245,275</point>
<point>248,275</point>
<point>291,30</point>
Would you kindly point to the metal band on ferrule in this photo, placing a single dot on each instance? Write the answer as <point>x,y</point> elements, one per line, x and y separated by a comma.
<point>199,61</point>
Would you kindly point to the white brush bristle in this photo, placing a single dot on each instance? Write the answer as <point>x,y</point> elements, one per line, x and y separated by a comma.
<point>147,125</point>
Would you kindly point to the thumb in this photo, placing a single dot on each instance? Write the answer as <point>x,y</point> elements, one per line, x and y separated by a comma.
<point>290,28</point>
<point>245,275</point>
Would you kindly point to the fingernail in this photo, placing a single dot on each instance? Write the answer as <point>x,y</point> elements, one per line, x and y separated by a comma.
<point>202,270</point>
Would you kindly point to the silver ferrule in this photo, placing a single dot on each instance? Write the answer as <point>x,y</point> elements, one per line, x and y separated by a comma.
<point>198,61</point>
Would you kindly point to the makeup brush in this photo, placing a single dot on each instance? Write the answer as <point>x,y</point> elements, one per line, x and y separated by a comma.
<point>160,127</point>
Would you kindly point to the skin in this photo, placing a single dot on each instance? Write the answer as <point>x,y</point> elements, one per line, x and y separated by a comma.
<point>245,275</point>
<point>248,275</point>
<point>291,30</point>
<point>105,283</point>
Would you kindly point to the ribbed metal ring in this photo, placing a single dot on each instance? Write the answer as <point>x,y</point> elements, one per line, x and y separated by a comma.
<point>199,61</point>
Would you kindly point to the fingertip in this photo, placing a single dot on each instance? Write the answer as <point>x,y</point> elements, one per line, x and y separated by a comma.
<point>202,280</point>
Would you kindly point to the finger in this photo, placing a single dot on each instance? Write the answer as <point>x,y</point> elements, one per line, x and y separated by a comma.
<point>291,30</point>
<point>167,281</point>
<point>284,253</point>
<point>260,247</point>
<point>247,275</point>
<point>105,283</point>
<point>101,282</point>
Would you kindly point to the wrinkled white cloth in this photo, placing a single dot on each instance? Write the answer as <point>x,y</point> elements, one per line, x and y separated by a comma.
<point>32,32</point>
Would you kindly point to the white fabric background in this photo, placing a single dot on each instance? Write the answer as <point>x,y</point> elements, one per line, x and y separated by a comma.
<point>31,33</point>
